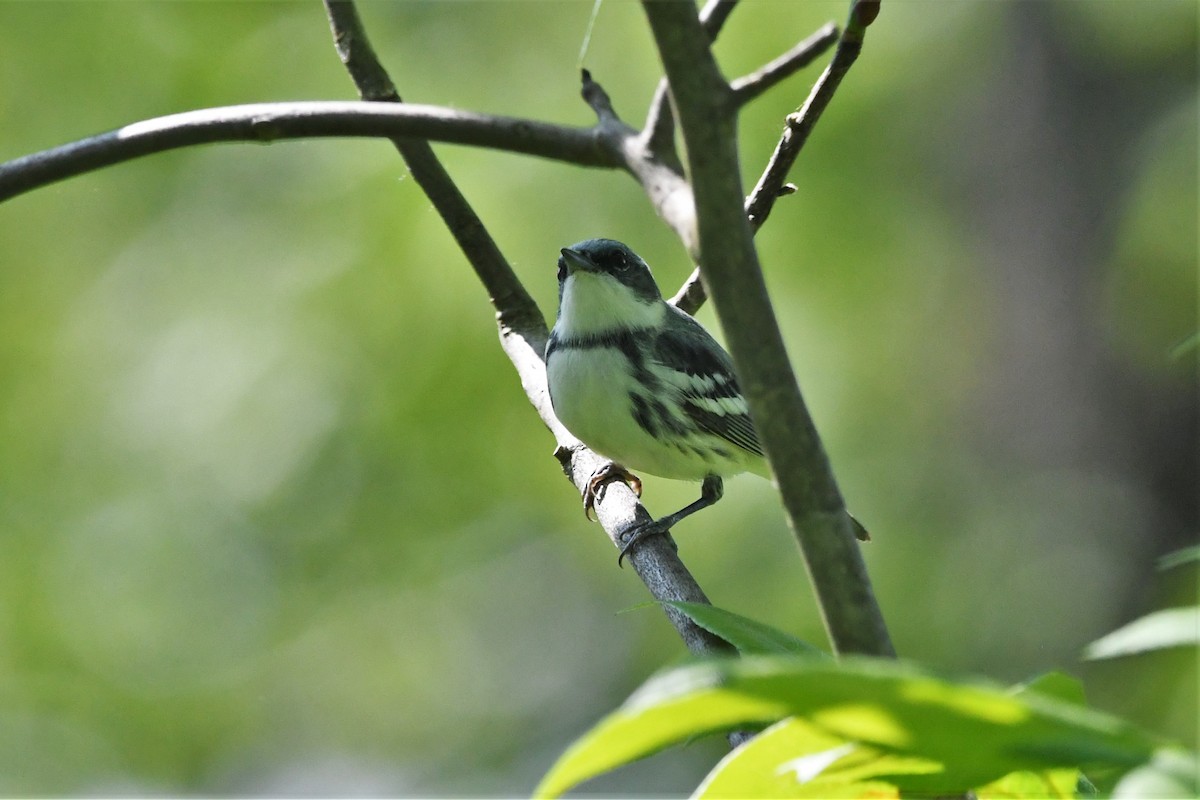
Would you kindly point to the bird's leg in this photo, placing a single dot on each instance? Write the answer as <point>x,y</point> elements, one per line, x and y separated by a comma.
<point>594,490</point>
<point>710,492</point>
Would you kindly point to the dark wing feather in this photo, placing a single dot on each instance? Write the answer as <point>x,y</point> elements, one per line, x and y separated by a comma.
<point>685,347</point>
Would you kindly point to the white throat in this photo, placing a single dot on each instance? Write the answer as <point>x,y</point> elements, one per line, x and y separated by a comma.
<point>594,303</point>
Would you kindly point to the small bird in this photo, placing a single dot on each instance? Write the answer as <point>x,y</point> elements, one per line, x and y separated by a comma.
<point>642,383</point>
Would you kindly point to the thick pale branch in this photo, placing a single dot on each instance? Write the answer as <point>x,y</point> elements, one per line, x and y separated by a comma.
<point>267,122</point>
<point>706,109</point>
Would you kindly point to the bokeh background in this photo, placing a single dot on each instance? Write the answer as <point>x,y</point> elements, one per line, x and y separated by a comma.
<point>276,518</point>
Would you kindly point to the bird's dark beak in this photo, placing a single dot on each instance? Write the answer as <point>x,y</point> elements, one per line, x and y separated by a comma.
<point>575,260</point>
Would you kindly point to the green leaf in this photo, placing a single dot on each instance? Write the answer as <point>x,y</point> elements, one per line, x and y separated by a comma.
<point>1049,783</point>
<point>1171,627</point>
<point>796,759</point>
<point>1058,685</point>
<point>976,732</point>
<point>671,707</point>
<point>747,635</point>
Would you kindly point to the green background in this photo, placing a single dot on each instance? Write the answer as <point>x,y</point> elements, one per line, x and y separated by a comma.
<point>276,517</point>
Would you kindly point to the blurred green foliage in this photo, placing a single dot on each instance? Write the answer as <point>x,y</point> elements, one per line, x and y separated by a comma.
<point>275,516</point>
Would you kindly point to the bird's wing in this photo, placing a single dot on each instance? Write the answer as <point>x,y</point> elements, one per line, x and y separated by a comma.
<point>692,363</point>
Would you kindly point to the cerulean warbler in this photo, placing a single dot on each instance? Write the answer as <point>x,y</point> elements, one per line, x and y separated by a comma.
<point>642,383</point>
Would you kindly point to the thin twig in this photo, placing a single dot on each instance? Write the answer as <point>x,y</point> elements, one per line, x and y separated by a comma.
<point>354,48</point>
<point>771,186</point>
<point>598,100</point>
<point>516,311</point>
<point>605,145</point>
<point>659,128</point>
<point>707,111</point>
<point>691,294</point>
<point>523,336</point>
<point>800,124</point>
<point>804,53</point>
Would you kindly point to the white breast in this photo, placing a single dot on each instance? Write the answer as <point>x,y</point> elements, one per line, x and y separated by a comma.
<point>590,390</point>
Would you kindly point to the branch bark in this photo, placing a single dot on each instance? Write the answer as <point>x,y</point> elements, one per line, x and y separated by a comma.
<point>610,143</point>
<point>706,107</point>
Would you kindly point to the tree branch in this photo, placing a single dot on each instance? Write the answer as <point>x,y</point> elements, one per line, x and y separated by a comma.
<point>267,122</point>
<point>609,144</point>
<point>706,107</point>
<point>799,57</point>
<point>800,124</point>
<point>523,336</point>
<point>659,128</point>
<point>691,294</point>
<point>517,314</point>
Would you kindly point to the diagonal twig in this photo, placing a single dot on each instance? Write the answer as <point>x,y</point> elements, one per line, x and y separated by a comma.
<point>800,124</point>
<point>772,185</point>
<point>516,310</point>
<point>804,53</point>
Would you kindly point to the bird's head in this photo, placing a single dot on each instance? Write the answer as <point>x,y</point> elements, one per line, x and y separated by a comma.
<point>603,285</point>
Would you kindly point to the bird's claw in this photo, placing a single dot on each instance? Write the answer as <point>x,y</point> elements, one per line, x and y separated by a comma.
<point>594,491</point>
<point>636,535</point>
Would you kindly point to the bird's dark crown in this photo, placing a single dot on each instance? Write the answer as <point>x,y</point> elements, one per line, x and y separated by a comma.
<point>613,258</point>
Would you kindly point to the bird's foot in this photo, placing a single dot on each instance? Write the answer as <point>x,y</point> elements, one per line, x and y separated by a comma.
<point>710,492</point>
<point>594,491</point>
<point>637,534</point>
